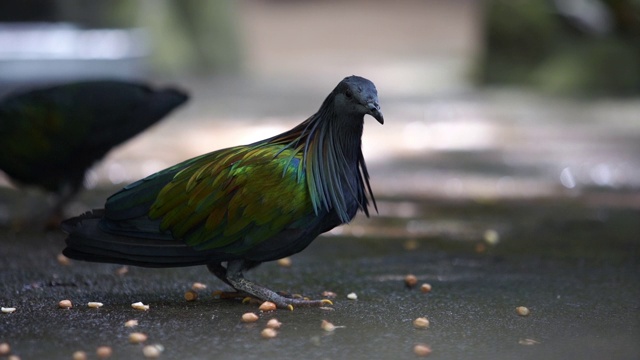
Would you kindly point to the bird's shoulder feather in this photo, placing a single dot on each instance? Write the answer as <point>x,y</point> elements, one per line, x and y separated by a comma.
<point>234,198</point>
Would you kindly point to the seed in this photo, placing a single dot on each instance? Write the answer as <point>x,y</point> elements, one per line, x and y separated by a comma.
<point>352,296</point>
<point>63,260</point>
<point>79,355</point>
<point>104,352</point>
<point>140,306</point>
<point>122,270</point>
<point>267,306</point>
<point>421,323</point>
<point>152,351</point>
<point>285,262</point>
<point>137,338</point>
<point>327,326</point>
<point>131,323</point>
<point>5,349</point>
<point>268,333</point>
<point>425,288</point>
<point>528,342</point>
<point>65,304</point>
<point>329,294</point>
<point>198,286</point>
<point>93,304</point>
<point>410,280</point>
<point>274,324</point>
<point>13,357</point>
<point>190,295</point>
<point>8,310</point>
<point>492,237</point>
<point>522,311</point>
<point>249,317</point>
<point>422,350</point>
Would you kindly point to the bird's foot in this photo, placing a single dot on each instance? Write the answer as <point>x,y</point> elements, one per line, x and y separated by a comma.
<point>233,276</point>
<point>282,300</point>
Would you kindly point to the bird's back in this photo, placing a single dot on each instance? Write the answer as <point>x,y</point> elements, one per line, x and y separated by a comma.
<point>52,135</point>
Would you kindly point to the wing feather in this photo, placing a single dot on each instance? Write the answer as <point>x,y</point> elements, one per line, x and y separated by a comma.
<point>243,194</point>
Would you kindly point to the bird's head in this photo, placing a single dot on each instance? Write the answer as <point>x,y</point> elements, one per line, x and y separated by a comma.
<point>357,95</point>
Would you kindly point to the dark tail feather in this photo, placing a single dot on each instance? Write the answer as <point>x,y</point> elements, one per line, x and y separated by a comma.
<point>86,241</point>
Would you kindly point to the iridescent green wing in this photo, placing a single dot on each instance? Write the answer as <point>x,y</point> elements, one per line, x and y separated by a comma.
<point>234,198</point>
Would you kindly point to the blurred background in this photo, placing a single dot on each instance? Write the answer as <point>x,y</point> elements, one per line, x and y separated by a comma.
<point>483,99</point>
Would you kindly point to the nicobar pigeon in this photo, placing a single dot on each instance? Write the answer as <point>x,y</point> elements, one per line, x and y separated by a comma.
<point>50,137</point>
<point>235,208</point>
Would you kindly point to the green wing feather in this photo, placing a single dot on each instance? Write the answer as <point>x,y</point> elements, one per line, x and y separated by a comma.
<point>234,198</point>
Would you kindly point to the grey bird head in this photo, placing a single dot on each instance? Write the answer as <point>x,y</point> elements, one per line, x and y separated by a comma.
<point>357,95</point>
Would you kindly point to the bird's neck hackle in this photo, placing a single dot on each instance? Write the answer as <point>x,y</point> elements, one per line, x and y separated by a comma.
<point>333,163</point>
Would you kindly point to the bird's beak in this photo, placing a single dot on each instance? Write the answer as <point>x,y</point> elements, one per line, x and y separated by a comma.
<point>374,110</point>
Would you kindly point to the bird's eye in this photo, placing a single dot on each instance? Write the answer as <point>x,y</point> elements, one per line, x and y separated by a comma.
<point>348,94</point>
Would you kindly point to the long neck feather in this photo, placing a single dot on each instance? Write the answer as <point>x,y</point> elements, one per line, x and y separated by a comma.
<point>332,160</point>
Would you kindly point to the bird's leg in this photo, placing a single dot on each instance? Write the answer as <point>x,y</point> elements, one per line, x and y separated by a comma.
<point>236,279</point>
<point>221,273</point>
<point>56,212</point>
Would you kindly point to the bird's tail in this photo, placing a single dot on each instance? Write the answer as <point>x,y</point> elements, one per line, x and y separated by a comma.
<point>87,241</point>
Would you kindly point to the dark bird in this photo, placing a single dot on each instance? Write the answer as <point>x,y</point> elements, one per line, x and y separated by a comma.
<point>49,137</point>
<point>242,205</point>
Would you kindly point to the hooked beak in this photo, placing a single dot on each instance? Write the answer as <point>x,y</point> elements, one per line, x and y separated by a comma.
<point>374,110</point>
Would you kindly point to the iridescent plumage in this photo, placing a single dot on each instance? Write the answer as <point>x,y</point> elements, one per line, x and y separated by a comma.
<point>241,205</point>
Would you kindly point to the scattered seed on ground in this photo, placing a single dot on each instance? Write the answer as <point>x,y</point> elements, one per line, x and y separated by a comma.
<point>104,352</point>
<point>329,294</point>
<point>422,350</point>
<point>8,310</point>
<point>274,324</point>
<point>63,260</point>
<point>5,349</point>
<point>79,355</point>
<point>137,338</point>
<point>95,304</point>
<point>352,296</point>
<point>196,286</point>
<point>410,280</point>
<point>492,237</point>
<point>528,342</point>
<point>421,323</point>
<point>152,351</point>
<point>190,295</point>
<point>522,311</point>
<point>267,306</point>
<point>131,323</point>
<point>327,326</point>
<point>140,306</point>
<point>268,333</point>
<point>249,317</point>
<point>65,304</point>
<point>425,288</point>
<point>284,262</point>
